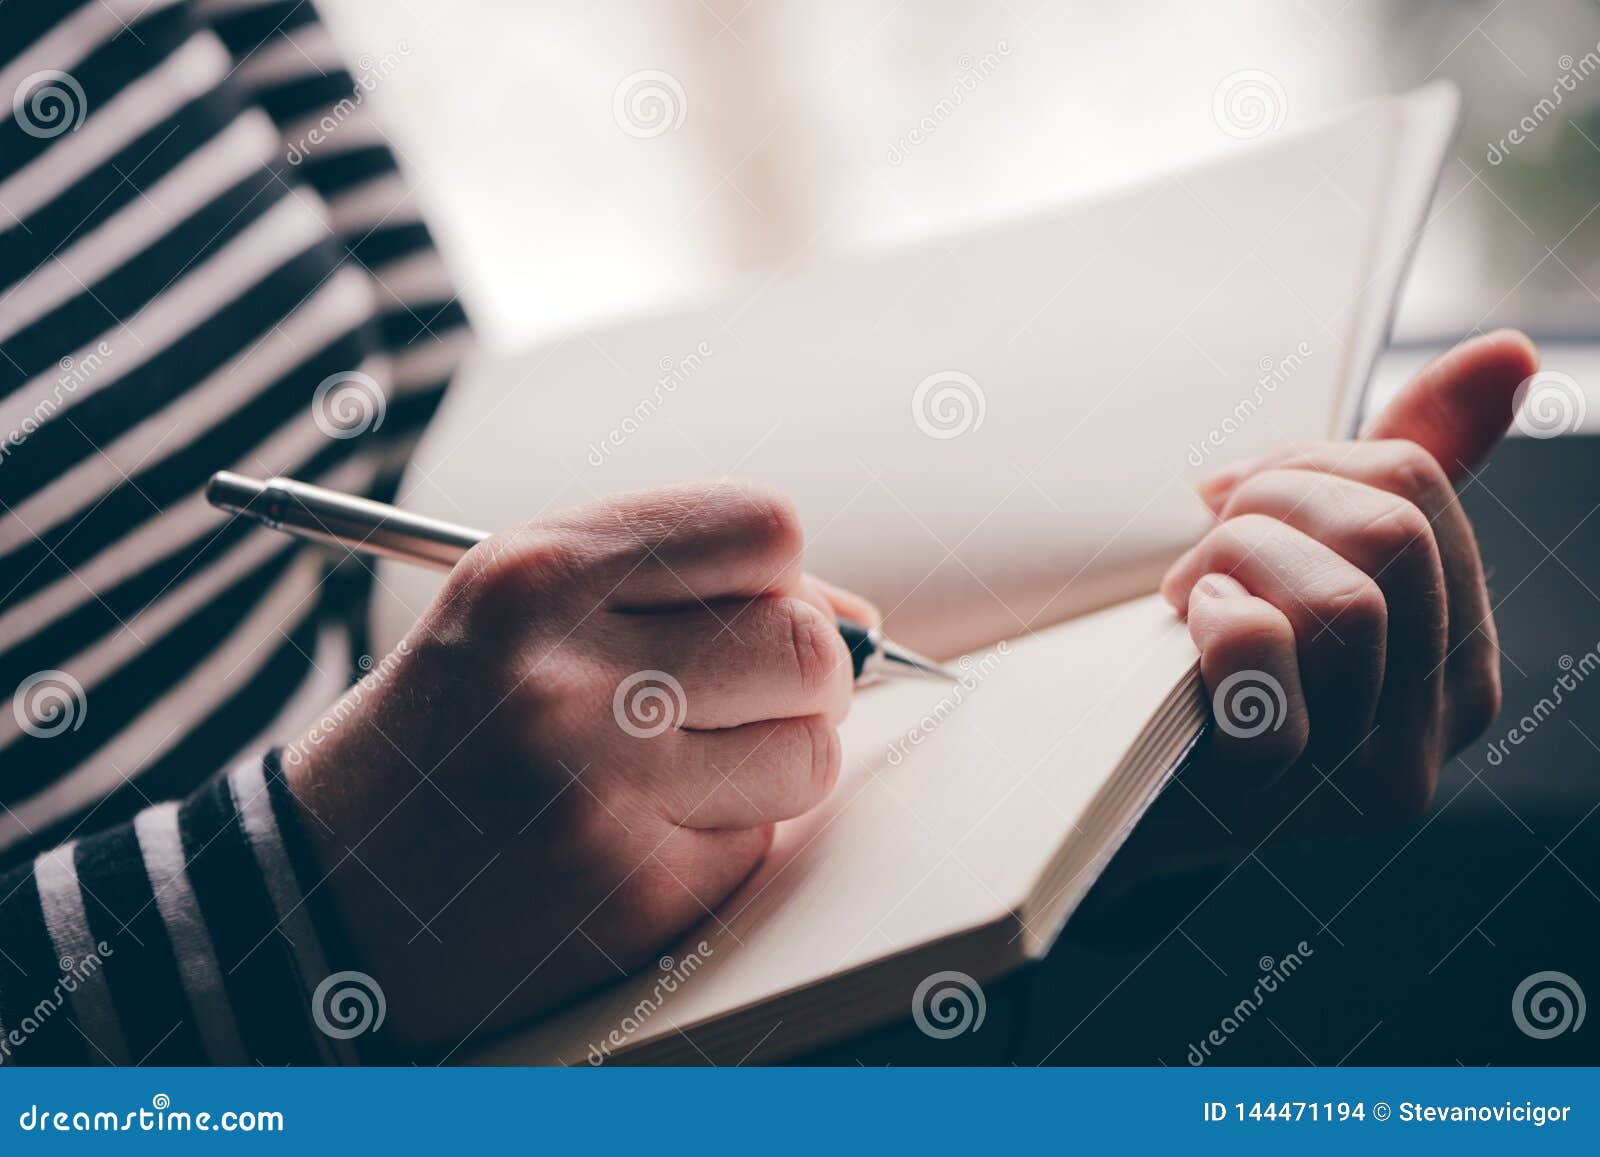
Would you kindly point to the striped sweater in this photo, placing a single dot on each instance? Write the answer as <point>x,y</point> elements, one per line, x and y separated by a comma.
<point>208,260</point>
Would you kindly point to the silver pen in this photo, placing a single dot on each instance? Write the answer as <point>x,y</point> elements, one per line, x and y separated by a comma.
<point>376,528</point>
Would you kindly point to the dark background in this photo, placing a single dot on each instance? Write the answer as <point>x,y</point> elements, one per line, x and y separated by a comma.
<point>1420,936</point>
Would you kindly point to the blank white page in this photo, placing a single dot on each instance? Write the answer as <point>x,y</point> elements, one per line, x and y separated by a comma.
<point>1107,347</point>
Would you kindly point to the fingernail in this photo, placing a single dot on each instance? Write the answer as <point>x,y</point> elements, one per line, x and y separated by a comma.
<point>1220,586</point>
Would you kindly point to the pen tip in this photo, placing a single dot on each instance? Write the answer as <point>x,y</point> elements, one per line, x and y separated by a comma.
<point>907,662</point>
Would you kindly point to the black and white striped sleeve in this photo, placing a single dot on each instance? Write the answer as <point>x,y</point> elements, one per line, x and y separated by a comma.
<point>196,933</point>
<point>318,97</point>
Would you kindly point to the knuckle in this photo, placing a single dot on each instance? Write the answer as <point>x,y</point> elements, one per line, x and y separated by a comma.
<point>1232,542</point>
<point>504,569</point>
<point>1243,533</point>
<point>1261,488</point>
<point>1226,544</point>
<point>814,642</point>
<point>1400,530</point>
<point>824,757</point>
<point>1356,603</point>
<point>774,522</point>
<point>1411,471</point>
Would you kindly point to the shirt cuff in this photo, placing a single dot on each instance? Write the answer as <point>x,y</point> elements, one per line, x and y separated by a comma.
<point>197,933</point>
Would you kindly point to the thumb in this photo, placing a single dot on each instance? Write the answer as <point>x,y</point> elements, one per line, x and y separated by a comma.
<point>1461,403</point>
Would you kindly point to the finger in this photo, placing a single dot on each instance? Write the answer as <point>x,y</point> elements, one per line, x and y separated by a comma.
<point>1456,408</point>
<point>1252,677</point>
<point>742,777</point>
<point>1472,669</point>
<point>1338,614</point>
<point>1461,403</point>
<point>847,604</point>
<point>738,662</point>
<point>683,544</point>
<point>1390,539</point>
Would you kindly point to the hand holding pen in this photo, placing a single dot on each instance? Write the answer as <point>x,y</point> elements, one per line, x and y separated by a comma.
<point>578,751</point>
<point>376,528</point>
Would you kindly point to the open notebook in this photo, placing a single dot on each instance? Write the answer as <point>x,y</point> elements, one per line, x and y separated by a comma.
<point>996,438</point>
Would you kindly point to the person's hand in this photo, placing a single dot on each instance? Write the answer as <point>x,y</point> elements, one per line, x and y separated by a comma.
<point>1339,606</point>
<point>577,753</point>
